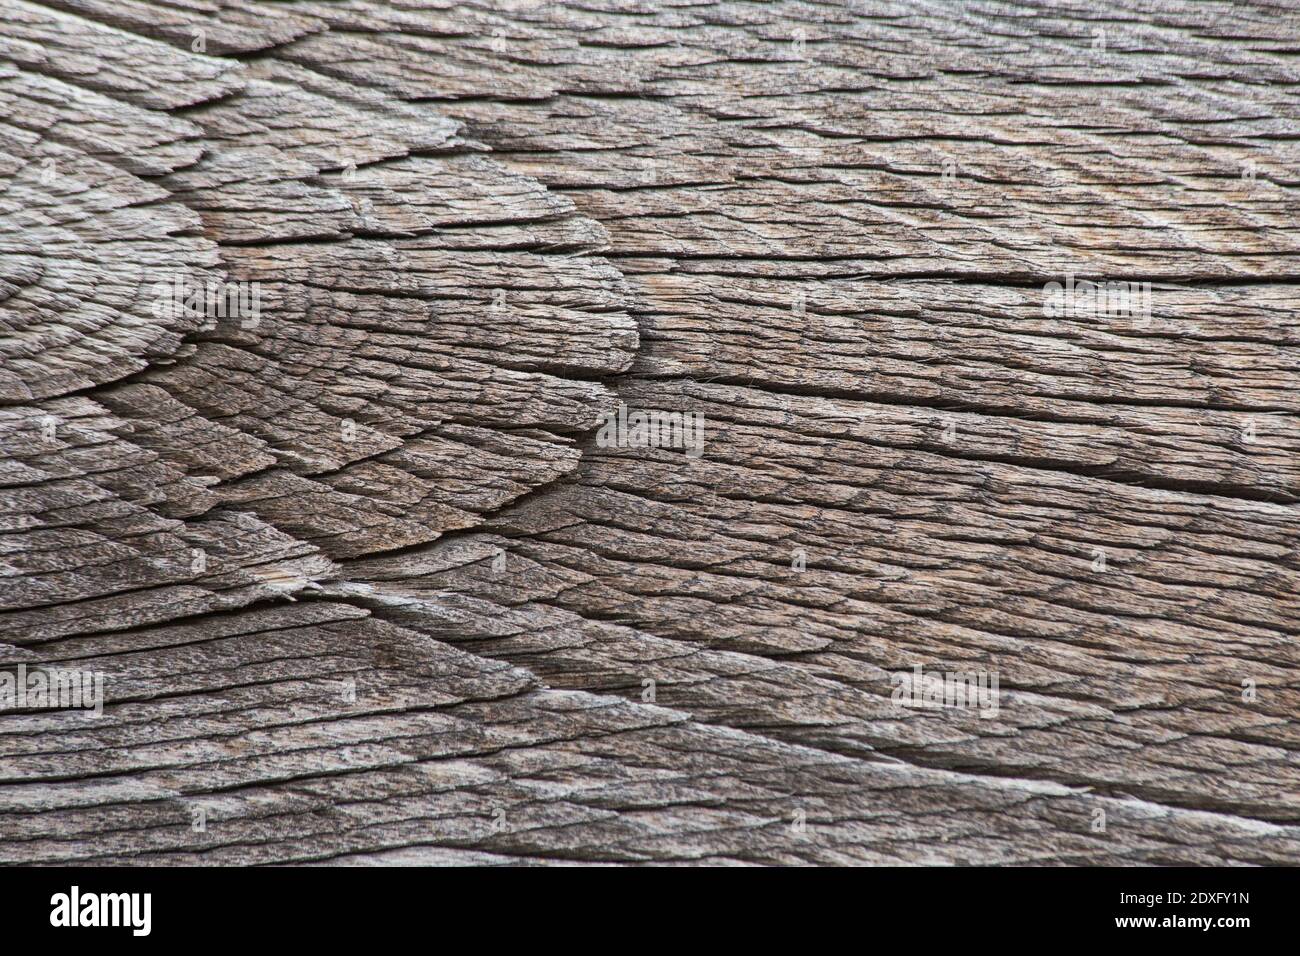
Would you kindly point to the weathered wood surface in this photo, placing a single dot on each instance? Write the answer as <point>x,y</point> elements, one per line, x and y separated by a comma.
<point>365,587</point>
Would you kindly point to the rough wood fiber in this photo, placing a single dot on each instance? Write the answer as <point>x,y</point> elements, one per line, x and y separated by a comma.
<point>364,586</point>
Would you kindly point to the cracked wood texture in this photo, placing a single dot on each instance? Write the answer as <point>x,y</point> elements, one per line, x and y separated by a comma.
<point>366,588</point>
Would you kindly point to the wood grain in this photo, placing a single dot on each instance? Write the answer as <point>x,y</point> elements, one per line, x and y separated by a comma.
<point>367,588</point>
